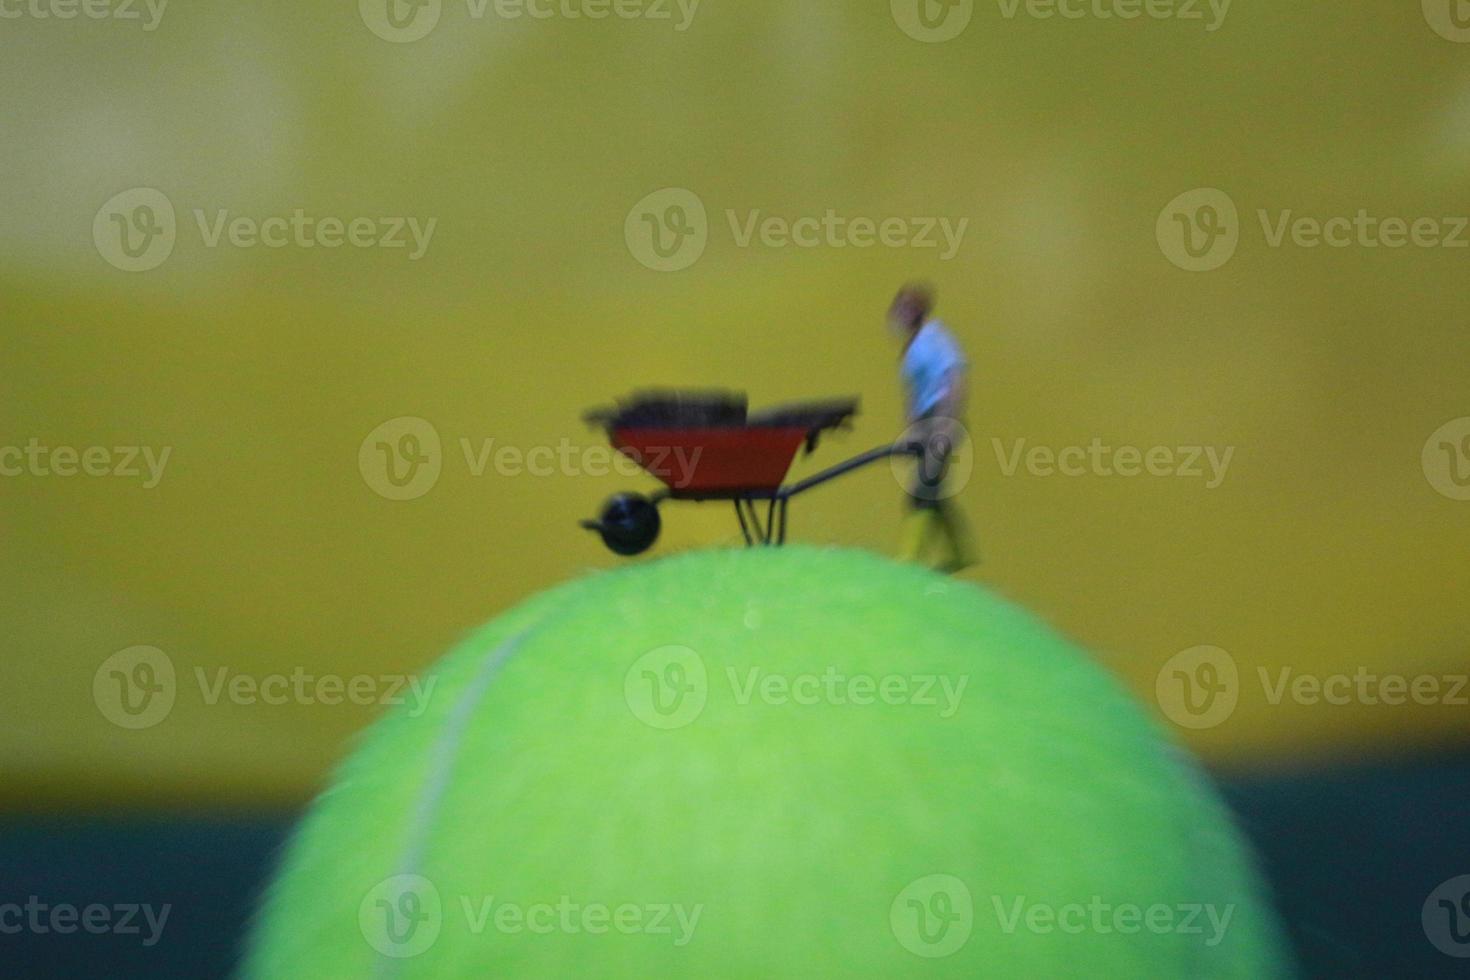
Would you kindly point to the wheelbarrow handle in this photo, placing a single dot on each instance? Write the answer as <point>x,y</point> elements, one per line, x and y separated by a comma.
<point>847,466</point>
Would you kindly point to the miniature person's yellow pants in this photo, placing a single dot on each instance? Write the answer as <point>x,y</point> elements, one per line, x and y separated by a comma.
<point>933,518</point>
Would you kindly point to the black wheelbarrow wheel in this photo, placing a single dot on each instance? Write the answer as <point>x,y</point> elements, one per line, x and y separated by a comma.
<point>629,524</point>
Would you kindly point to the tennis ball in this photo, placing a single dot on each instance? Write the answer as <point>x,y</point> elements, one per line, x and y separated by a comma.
<point>761,763</point>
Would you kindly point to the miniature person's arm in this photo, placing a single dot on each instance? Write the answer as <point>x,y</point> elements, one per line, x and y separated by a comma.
<point>952,402</point>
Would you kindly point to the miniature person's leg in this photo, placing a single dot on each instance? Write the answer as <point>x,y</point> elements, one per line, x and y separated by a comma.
<point>933,515</point>
<point>924,522</point>
<point>917,524</point>
<point>958,553</point>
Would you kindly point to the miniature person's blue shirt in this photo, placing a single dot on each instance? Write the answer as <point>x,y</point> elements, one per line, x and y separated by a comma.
<point>927,364</point>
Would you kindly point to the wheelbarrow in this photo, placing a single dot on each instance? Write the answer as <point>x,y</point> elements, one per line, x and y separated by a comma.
<point>705,446</point>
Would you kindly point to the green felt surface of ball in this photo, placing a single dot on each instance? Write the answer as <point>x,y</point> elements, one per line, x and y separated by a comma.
<point>789,762</point>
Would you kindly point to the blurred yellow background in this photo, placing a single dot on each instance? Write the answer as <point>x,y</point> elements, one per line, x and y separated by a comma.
<point>263,549</point>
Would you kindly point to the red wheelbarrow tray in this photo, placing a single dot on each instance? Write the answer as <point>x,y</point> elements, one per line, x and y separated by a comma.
<point>703,446</point>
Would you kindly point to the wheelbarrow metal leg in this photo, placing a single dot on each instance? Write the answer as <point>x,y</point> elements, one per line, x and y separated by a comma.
<point>744,529</point>
<point>759,532</point>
